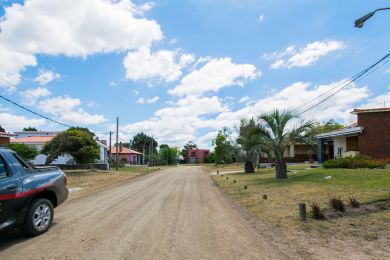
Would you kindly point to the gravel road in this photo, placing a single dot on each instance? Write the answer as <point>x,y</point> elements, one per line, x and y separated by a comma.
<point>177,213</point>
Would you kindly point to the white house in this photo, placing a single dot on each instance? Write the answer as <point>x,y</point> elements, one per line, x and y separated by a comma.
<point>37,139</point>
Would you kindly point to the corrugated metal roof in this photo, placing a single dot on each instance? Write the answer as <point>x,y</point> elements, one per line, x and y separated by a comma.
<point>352,129</point>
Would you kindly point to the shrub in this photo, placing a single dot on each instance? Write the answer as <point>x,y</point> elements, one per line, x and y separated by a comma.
<point>354,203</point>
<point>337,204</point>
<point>316,211</point>
<point>360,161</point>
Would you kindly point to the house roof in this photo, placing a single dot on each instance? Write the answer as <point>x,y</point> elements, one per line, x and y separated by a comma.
<point>33,140</point>
<point>370,110</point>
<point>352,129</point>
<point>101,144</point>
<point>38,132</point>
<point>124,151</point>
<point>3,134</point>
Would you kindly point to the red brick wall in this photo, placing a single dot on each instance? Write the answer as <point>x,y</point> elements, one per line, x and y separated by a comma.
<point>4,140</point>
<point>375,140</point>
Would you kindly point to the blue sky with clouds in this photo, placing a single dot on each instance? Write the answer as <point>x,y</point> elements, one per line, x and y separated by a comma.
<point>181,70</point>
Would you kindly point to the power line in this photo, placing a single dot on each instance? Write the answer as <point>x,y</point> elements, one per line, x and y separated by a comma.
<point>356,78</point>
<point>33,112</point>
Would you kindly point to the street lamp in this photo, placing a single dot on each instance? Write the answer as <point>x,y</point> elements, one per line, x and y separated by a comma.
<point>360,22</point>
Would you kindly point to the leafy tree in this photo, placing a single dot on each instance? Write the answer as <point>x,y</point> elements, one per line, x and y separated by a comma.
<point>189,145</point>
<point>2,129</point>
<point>30,129</point>
<point>249,140</point>
<point>276,134</point>
<point>168,155</point>
<point>25,151</point>
<point>142,143</point>
<point>224,149</point>
<point>76,141</point>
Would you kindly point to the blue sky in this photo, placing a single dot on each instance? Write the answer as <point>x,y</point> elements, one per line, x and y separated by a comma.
<point>181,70</point>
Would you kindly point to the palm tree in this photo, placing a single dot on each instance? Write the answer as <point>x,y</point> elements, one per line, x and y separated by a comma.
<point>277,132</point>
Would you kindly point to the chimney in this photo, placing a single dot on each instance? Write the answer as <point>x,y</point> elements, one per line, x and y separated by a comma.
<point>120,147</point>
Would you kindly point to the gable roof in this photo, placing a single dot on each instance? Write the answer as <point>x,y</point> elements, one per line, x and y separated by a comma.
<point>33,140</point>
<point>124,151</point>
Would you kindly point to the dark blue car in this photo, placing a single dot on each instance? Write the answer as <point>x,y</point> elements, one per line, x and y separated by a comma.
<point>28,194</point>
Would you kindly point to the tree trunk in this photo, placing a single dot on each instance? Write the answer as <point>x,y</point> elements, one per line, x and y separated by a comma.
<point>280,166</point>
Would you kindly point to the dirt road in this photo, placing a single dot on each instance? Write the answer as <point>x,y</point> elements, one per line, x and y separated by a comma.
<point>175,214</point>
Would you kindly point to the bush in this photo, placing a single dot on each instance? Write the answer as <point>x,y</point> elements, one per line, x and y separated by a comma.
<point>360,161</point>
<point>337,204</point>
<point>316,211</point>
<point>354,203</point>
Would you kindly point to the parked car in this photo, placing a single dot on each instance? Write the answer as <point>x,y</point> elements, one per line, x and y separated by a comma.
<point>28,195</point>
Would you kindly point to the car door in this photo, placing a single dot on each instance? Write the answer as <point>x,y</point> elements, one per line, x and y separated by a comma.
<point>9,187</point>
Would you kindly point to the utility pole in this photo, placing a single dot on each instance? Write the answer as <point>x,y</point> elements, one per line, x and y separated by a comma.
<point>117,130</point>
<point>143,154</point>
<point>109,152</point>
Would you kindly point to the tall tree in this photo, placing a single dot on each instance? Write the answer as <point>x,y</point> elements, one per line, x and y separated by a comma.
<point>189,145</point>
<point>142,141</point>
<point>25,151</point>
<point>277,131</point>
<point>30,129</point>
<point>168,155</point>
<point>224,149</point>
<point>76,141</point>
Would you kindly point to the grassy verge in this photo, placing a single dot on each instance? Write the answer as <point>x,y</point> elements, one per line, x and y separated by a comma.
<point>84,182</point>
<point>211,167</point>
<point>311,185</point>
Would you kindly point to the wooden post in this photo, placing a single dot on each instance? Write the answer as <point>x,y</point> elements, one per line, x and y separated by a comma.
<point>302,211</point>
<point>265,196</point>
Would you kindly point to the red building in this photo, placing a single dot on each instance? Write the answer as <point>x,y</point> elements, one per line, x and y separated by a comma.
<point>369,136</point>
<point>197,155</point>
<point>5,137</point>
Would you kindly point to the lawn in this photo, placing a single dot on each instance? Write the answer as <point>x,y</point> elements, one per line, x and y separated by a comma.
<point>280,210</point>
<point>211,167</point>
<point>82,183</point>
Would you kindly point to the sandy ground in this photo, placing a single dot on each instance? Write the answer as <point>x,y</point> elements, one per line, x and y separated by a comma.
<point>177,213</point>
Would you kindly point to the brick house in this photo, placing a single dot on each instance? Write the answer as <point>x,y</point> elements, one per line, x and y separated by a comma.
<point>197,155</point>
<point>5,138</point>
<point>369,136</point>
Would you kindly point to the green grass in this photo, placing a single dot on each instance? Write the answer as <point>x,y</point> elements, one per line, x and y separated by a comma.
<point>281,207</point>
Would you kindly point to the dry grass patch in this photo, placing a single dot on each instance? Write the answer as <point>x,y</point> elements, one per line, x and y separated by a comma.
<point>314,186</point>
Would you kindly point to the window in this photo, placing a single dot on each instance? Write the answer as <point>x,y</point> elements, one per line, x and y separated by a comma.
<point>20,161</point>
<point>192,154</point>
<point>3,170</point>
<point>352,143</point>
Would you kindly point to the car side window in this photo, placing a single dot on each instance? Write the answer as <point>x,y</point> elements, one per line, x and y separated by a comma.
<point>3,169</point>
<point>21,162</point>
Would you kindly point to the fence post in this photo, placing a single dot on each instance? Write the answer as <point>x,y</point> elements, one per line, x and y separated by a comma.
<point>302,211</point>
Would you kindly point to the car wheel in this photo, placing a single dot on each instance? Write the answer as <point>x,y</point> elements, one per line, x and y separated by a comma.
<point>39,217</point>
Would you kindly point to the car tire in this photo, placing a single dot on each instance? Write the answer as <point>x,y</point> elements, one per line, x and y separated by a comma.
<point>39,217</point>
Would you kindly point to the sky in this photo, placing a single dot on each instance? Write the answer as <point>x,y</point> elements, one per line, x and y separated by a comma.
<point>182,70</point>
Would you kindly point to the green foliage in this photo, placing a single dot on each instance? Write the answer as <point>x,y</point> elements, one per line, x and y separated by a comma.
<point>168,155</point>
<point>224,147</point>
<point>249,140</point>
<point>30,129</point>
<point>211,158</point>
<point>142,142</point>
<point>189,145</point>
<point>25,151</point>
<point>76,141</point>
<point>360,161</point>
<point>2,129</point>
<point>275,135</point>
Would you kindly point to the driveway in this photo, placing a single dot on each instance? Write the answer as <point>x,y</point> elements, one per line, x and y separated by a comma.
<point>175,214</point>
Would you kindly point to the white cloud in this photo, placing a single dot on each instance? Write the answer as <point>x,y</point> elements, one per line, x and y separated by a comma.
<point>135,92</point>
<point>215,75</point>
<point>74,28</point>
<point>291,57</point>
<point>112,83</point>
<point>30,96</point>
<point>382,100</point>
<point>16,123</point>
<point>69,111</point>
<point>244,99</point>
<point>187,117</point>
<point>162,65</point>
<point>46,76</point>
<point>148,101</point>
<point>261,18</point>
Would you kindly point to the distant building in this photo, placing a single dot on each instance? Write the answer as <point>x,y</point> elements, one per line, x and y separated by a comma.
<point>131,156</point>
<point>197,155</point>
<point>37,139</point>
<point>5,137</point>
<point>369,136</point>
